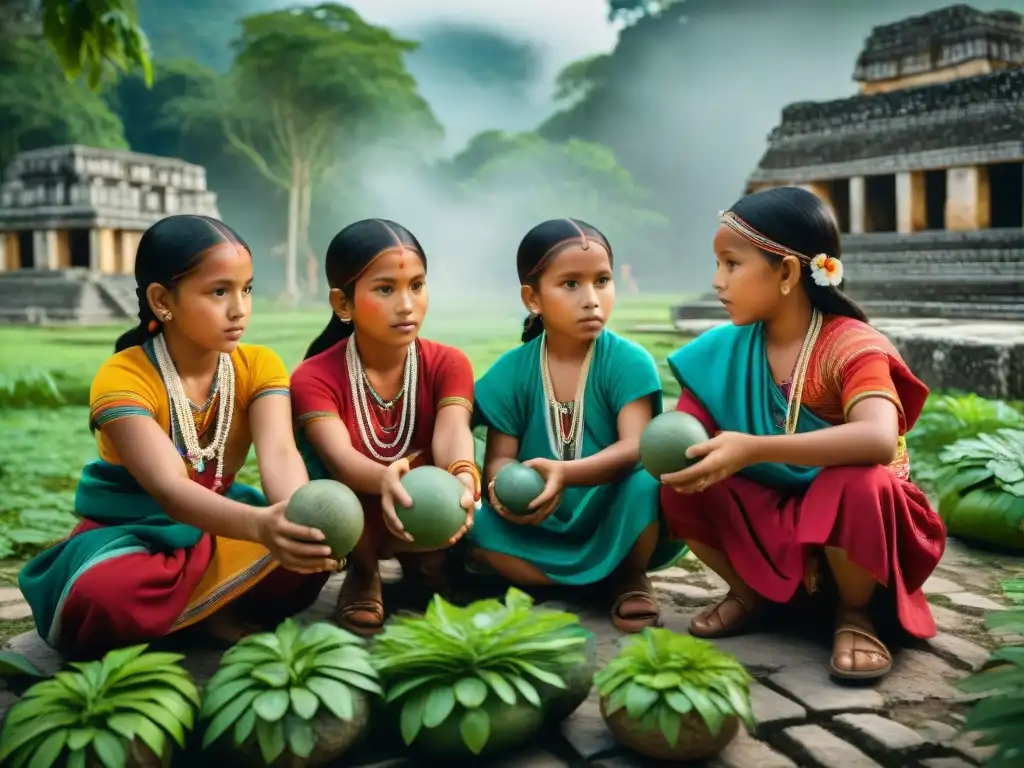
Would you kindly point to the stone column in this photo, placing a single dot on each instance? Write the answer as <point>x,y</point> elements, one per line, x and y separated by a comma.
<point>968,202</point>
<point>95,251</point>
<point>911,210</point>
<point>44,245</point>
<point>857,205</point>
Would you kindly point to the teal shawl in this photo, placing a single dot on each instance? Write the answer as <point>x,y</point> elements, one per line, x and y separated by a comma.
<point>133,522</point>
<point>726,369</point>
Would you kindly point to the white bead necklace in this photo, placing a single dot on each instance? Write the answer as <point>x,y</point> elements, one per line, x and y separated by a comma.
<point>361,405</point>
<point>574,440</point>
<point>182,419</point>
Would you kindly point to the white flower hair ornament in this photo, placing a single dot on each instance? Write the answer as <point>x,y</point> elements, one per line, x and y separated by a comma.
<point>826,270</point>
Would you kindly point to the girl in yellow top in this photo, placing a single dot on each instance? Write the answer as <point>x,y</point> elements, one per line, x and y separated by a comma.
<point>167,539</point>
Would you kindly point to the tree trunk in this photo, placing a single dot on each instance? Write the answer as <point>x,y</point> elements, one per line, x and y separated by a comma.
<point>291,278</point>
<point>306,247</point>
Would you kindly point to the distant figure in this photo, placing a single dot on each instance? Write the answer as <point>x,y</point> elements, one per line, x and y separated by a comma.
<point>167,538</point>
<point>809,406</point>
<point>372,400</point>
<point>571,402</point>
<point>626,276</point>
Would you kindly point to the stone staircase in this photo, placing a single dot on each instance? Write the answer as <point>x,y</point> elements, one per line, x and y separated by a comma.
<point>71,296</point>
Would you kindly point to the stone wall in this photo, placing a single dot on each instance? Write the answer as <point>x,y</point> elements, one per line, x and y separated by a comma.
<point>74,296</point>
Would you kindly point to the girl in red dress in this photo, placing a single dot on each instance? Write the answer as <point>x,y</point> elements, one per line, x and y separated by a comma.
<point>372,400</point>
<point>809,407</point>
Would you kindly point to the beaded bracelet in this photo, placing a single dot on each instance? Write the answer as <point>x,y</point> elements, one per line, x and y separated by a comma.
<point>465,465</point>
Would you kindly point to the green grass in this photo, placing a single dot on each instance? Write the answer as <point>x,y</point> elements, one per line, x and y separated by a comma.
<point>44,448</point>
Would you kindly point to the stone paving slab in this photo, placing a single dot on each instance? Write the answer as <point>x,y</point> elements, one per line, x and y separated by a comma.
<point>911,719</point>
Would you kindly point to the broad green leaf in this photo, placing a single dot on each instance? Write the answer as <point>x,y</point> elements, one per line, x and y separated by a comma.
<point>669,721</point>
<point>142,728</point>
<point>664,681</point>
<point>160,716</point>
<point>354,679</point>
<point>500,685</point>
<point>475,727</point>
<point>244,726</point>
<point>79,738</point>
<point>227,717</point>
<point>39,726</point>
<point>400,689</point>
<point>304,702</point>
<point>439,704</point>
<point>271,705</point>
<point>216,698</point>
<point>110,749</point>
<point>301,738</point>
<point>12,664</point>
<point>49,749</point>
<point>274,674</point>
<point>470,692</point>
<point>75,759</point>
<point>527,690</point>
<point>707,710</point>
<point>678,701</point>
<point>411,719</point>
<point>639,699</point>
<point>334,695</point>
<point>270,737</point>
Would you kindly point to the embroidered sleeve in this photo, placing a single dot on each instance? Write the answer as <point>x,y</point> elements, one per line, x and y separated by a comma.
<point>313,397</point>
<point>453,379</point>
<point>268,372</point>
<point>120,390</point>
<point>867,375</point>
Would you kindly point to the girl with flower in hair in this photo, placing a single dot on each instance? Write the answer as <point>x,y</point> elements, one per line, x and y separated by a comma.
<point>372,399</point>
<point>571,402</point>
<point>806,474</point>
<point>167,539</point>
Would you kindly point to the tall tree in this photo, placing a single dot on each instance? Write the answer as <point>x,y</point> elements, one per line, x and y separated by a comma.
<point>39,107</point>
<point>90,36</point>
<point>306,85</point>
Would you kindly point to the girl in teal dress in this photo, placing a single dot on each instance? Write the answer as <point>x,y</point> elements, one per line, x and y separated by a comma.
<point>571,402</point>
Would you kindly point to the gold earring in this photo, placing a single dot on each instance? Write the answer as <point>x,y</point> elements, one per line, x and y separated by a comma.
<point>167,317</point>
<point>345,319</point>
<point>785,290</point>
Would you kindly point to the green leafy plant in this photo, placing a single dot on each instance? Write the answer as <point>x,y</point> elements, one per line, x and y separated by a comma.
<point>660,677</point>
<point>981,489</point>
<point>275,684</point>
<point>948,418</point>
<point>998,716</point>
<point>464,665</point>
<point>102,712</point>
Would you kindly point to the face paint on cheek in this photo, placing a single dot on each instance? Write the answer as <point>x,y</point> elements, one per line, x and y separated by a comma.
<point>366,306</point>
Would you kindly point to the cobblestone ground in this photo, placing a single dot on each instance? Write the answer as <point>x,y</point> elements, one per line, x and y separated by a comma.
<point>910,720</point>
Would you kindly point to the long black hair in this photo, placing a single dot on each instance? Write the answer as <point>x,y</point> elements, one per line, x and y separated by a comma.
<point>169,250</point>
<point>802,222</point>
<point>349,254</point>
<point>540,245</point>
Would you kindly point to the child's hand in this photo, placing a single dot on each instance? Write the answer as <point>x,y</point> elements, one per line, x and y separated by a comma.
<point>391,491</point>
<point>549,498</point>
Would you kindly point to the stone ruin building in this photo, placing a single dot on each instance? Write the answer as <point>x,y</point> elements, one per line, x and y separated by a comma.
<point>924,170</point>
<point>70,222</point>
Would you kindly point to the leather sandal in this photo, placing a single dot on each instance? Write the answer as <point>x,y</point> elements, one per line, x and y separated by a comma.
<point>879,660</point>
<point>636,588</point>
<point>360,609</point>
<point>702,627</point>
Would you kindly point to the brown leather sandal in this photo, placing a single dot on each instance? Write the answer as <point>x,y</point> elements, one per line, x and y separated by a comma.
<point>702,626</point>
<point>879,660</point>
<point>637,587</point>
<point>360,609</point>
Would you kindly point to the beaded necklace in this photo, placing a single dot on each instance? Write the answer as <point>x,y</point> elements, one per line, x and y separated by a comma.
<point>358,385</point>
<point>182,414</point>
<point>567,443</point>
